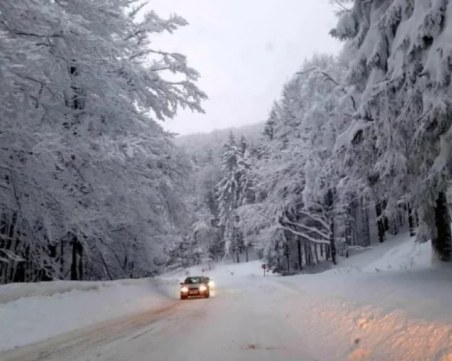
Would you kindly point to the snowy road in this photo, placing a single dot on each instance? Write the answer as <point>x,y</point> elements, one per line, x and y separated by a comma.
<point>239,323</point>
<point>393,309</point>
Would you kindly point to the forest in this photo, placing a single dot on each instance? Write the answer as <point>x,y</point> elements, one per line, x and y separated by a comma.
<point>357,147</point>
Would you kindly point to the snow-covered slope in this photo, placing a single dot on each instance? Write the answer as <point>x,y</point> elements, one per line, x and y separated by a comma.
<point>398,253</point>
<point>199,144</point>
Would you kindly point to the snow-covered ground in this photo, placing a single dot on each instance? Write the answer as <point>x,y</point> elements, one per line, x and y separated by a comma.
<point>33,312</point>
<point>386,303</point>
<point>396,307</point>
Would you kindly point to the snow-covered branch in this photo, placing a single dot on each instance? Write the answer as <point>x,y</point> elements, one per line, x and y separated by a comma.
<point>309,229</point>
<point>304,235</point>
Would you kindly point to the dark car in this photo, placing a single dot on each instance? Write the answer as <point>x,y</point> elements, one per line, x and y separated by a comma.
<point>195,287</point>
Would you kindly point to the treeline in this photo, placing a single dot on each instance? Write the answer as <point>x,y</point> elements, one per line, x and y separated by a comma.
<point>357,146</point>
<point>365,136</point>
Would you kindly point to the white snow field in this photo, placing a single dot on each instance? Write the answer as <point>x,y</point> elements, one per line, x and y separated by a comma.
<point>386,303</point>
<point>33,312</point>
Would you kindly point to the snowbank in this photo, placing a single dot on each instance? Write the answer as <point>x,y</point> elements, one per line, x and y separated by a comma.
<point>387,303</point>
<point>407,256</point>
<point>33,312</point>
<point>393,276</point>
<point>399,252</point>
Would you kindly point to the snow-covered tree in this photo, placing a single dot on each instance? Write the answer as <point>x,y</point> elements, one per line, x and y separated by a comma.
<point>234,189</point>
<point>402,70</point>
<point>92,184</point>
<point>269,130</point>
<point>300,182</point>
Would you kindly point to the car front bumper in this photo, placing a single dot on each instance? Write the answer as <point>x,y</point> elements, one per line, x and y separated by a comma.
<point>194,293</point>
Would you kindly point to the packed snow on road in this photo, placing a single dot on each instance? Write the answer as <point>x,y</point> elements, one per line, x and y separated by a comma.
<point>395,308</point>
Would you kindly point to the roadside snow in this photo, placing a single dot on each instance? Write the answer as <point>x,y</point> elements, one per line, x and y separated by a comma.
<point>396,307</point>
<point>33,312</point>
<point>401,276</point>
<point>408,256</point>
<point>400,252</point>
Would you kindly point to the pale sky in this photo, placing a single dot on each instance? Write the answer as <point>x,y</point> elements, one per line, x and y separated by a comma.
<point>245,50</point>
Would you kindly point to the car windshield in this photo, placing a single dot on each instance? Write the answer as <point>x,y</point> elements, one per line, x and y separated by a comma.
<point>193,280</point>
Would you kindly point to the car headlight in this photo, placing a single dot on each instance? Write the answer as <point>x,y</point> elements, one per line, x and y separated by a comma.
<point>184,289</point>
<point>211,284</point>
<point>202,288</point>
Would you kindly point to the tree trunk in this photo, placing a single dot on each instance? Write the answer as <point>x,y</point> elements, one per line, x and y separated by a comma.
<point>316,253</point>
<point>77,260</point>
<point>61,259</point>
<point>395,225</point>
<point>442,243</point>
<point>300,255</point>
<point>348,227</point>
<point>366,227</point>
<point>74,268</point>
<point>380,222</point>
<point>411,221</point>
<point>354,223</point>
<point>330,203</point>
<point>401,215</point>
<point>287,255</point>
<point>332,242</point>
<point>81,274</point>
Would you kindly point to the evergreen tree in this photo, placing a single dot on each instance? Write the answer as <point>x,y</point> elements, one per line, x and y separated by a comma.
<point>234,190</point>
<point>404,116</point>
<point>269,129</point>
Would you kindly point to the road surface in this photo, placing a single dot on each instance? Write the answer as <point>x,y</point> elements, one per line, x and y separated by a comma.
<point>241,323</point>
<point>337,316</point>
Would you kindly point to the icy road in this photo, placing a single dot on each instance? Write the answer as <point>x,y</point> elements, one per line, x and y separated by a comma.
<point>351,314</point>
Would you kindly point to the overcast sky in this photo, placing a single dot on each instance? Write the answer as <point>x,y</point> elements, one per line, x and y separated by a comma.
<point>245,51</point>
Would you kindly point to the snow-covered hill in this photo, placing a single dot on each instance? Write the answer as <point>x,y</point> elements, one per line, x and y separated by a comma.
<point>198,144</point>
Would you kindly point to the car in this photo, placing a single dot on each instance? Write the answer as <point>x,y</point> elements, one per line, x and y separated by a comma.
<point>195,286</point>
